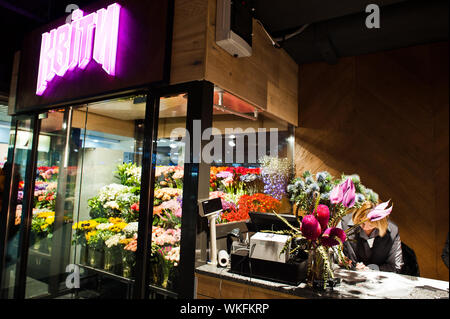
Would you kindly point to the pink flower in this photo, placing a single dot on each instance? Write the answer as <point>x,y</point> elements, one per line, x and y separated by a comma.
<point>323,215</point>
<point>225,175</point>
<point>379,212</point>
<point>227,181</point>
<point>336,195</point>
<point>216,194</point>
<point>310,227</point>
<point>330,234</point>
<point>344,193</point>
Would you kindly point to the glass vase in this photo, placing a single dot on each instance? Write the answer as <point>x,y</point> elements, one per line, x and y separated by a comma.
<point>95,258</point>
<point>36,244</point>
<point>320,272</point>
<point>155,272</point>
<point>83,255</point>
<point>165,272</point>
<point>109,259</point>
<point>128,263</point>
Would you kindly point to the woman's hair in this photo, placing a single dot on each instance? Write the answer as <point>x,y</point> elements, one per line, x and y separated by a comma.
<point>361,214</point>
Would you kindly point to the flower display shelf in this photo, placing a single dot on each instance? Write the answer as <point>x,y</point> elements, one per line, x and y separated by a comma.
<point>129,282</point>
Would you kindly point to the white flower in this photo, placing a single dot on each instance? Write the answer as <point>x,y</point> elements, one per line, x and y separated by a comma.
<point>114,240</point>
<point>131,228</point>
<point>110,192</point>
<point>104,226</point>
<point>111,204</point>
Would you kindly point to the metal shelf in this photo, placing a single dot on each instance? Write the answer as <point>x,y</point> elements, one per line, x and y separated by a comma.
<point>129,281</point>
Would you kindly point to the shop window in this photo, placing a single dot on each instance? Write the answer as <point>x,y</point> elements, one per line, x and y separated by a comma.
<point>252,172</point>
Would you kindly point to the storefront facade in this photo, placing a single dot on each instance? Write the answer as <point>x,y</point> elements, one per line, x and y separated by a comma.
<point>105,156</point>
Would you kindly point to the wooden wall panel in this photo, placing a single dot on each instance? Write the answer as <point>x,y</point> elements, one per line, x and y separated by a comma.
<point>385,117</point>
<point>267,79</point>
<point>189,41</point>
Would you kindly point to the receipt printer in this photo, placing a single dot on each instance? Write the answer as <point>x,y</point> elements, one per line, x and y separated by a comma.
<point>268,246</point>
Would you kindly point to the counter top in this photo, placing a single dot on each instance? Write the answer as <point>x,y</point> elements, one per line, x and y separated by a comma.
<point>354,285</point>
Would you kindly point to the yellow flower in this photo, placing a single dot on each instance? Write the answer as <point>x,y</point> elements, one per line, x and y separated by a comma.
<point>44,227</point>
<point>90,234</point>
<point>118,227</point>
<point>85,225</point>
<point>115,220</point>
<point>50,220</point>
<point>46,214</point>
<point>125,241</point>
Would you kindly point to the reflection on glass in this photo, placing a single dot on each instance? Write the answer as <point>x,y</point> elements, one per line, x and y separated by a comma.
<point>169,175</point>
<point>49,224</point>
<point>108,187</point>
<point>23,147</point>
<point>5,127</point>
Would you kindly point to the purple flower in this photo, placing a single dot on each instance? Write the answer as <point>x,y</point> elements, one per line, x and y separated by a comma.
<point>344,193</point>
<point>310,227</point>
<point>379,212</point>
<point>228,205</point>
<point>330,235</point>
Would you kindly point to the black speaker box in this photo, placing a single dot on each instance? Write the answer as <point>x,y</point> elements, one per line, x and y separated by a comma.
<point>291,273</point>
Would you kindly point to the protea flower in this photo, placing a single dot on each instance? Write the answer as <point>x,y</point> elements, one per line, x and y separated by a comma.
<point>379,212</point>
<point>323,215</point>
<point>330,235</point>
<point>310,227</point>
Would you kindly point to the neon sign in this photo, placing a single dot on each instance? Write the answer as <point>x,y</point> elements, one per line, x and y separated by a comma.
<point>74,45</point>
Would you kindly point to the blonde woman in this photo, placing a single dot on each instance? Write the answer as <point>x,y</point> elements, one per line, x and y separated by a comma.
<point>373,245</point>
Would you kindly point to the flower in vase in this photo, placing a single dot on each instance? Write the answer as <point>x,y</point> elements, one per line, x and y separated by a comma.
<point>228,181</point>
<point>330,235</point>
<point>131,228</point>
<point>173,255</point>
<point>344,193</point>
<point>135,207</point>
<point>114,240</point>
<point>104,226</point>
<point>379,212</point>
<point>323,215</point>
<point>310,227</point>
<point>225,175</point>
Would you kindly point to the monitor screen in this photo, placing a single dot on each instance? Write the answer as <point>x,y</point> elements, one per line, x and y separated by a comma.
<point>270,221</point>
<point>212,205</point>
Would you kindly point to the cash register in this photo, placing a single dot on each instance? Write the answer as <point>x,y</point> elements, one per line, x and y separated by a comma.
<point>263,256</point>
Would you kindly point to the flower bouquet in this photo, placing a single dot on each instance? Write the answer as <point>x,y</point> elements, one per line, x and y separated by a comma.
<point>320,236</point>
<point>165,254</point>
<point>42,225</point>
<point>302,190</point>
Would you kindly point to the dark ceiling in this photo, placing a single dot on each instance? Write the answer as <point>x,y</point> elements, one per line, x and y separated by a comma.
<point>332,28</point>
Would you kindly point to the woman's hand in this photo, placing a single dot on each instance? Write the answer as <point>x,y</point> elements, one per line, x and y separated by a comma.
<point>362,267</point>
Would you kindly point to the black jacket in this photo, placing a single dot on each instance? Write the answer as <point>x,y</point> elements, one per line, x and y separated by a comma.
<point>445,252</point>
<point>386,251</point>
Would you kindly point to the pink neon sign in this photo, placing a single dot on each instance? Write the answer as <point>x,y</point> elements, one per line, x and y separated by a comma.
<point>74,45</point>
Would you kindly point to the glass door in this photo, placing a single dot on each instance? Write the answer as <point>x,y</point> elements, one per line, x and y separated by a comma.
<point>13,214</point>
<point>76,193</point>
<point>105,198</point>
